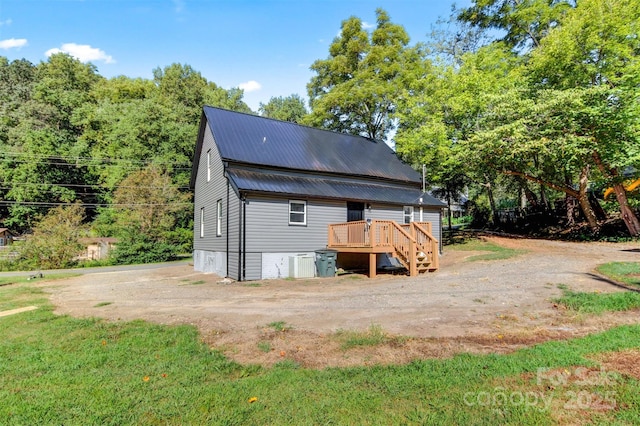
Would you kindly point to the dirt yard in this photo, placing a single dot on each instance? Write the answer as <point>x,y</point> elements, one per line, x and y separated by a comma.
<point>485,306</point>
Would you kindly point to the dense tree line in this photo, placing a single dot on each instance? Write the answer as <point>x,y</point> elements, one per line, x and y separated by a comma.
<point>535,100</point>
<point>120,149</point>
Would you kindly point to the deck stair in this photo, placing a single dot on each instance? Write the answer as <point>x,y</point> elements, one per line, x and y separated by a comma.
<point>412,244</point>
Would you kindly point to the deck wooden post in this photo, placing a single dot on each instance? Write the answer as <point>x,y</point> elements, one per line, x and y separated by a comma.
<point>413,262</point>
<point>373,264</point>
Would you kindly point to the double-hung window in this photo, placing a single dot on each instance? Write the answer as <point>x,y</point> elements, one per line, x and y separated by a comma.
<point>297,212</point>
<point>219,218</point>
<point>201,222</point>
<point>408,214</point>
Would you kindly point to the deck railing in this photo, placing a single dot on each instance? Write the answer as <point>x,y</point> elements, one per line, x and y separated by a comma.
<point>406,242</point>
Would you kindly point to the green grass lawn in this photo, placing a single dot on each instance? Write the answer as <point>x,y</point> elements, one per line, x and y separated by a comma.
<point>62,370</point>
<point>494,251</point>
<point>625,272</point>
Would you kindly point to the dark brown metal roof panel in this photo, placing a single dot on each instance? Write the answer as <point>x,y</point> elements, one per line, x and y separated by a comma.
<point>324,187</point>
<point>251,139</point>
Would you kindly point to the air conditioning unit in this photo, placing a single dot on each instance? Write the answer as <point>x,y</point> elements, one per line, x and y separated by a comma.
<point>302,266</point>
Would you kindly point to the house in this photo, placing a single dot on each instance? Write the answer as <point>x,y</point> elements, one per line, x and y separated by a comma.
<point>6,237</point>
<point>97,248</point>
<point>268,192</point>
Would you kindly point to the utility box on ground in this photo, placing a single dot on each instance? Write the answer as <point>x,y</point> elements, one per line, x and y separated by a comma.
<point>301,266</point>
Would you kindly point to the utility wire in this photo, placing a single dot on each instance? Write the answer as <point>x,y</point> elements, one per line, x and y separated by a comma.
<point>104,159</point>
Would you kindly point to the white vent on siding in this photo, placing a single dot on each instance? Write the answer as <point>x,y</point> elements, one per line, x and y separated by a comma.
<point>302,266</point>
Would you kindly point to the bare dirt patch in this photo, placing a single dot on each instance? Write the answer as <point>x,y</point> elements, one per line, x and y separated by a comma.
<point>486,306</point>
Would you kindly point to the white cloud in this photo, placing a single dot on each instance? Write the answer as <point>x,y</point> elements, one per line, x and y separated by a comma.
<point>250,86</point>
<point>367,26</point>
<point>13,43</point>
<point>6,22</point>
<point>82,52</point>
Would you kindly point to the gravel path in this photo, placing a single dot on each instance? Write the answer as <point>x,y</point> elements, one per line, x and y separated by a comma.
<point>462,299</point>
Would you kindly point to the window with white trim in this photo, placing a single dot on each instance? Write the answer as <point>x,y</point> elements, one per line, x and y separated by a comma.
<point>208,165</point>
<point>407,212</point>
<point>219,218</point>
<point>297,212</point>
<point>201,222</point>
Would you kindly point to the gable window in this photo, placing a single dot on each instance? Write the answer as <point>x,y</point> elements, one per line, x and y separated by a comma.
<point>201,222</point>
<point>219,218</point>
<point>408,214</point>
<point>297,212</point>
<point>208,165</point>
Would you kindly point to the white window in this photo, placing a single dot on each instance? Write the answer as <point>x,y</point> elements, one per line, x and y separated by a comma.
<point>408,214</point>
<point>201,222</point>
<point>297,212</point>
<point>219,218</point>
<point>208,165</point>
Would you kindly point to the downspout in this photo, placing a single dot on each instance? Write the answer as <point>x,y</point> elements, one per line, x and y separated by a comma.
<point>240,238</point>
<point>227,236</point>
<point>244,238</point>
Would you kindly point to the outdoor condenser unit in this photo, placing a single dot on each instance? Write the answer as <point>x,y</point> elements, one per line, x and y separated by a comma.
<point>302,266</point>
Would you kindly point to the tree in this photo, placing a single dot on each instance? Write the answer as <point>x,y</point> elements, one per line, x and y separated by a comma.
<point>292,108</point>
<point>592,50</point>
<point>147,206</point>
<point>522,24</point>
<point>40,150</point>
<point>55,240</point>
<point>575,117</point>
<point>445,107</point>
<point>357,87</point>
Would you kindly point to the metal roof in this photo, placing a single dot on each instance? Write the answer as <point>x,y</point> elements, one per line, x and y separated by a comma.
<point>324,187</point>
<point>251,139</point>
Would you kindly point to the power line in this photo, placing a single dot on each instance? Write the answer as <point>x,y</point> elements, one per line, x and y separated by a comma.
<point>103,159</point>
<point>125,167</point>
<point>77,185</point>
<point>88,205</point>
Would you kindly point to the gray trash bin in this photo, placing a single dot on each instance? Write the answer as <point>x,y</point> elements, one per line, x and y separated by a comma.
<point>326,262</point>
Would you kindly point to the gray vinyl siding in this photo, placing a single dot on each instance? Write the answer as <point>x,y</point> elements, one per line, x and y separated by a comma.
<point>206,195</point>
<point>384,212</point>
<point>392,212</point>
<point>268,228</point>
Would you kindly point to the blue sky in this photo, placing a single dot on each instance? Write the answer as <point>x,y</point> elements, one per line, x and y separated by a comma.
<point>265,47</point>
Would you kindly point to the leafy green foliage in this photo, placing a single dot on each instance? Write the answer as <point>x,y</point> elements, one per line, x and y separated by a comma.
<point>69,135</point>
<point>357,87</point>
<point>146,206</point>
<point>54,243</point>
<point>292,108</point>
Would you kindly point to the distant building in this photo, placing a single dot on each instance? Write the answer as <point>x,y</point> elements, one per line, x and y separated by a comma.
<point>6,237</point>
<point>97,248</point>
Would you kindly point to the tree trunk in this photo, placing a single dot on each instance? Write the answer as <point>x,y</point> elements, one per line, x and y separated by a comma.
<point>492,202</point>
<point>628,216</point>
<point>543,198</point>
<point>449,210</point>
<point>583,199</point>
<point>569,203</point>
<point>581,195</point>
<point>532,199</point>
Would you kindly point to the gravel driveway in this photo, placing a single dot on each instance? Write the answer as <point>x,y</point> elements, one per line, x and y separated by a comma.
<point>463,299</point>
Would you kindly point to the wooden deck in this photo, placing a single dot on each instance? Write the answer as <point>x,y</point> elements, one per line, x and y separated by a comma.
<point>412,244</point>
